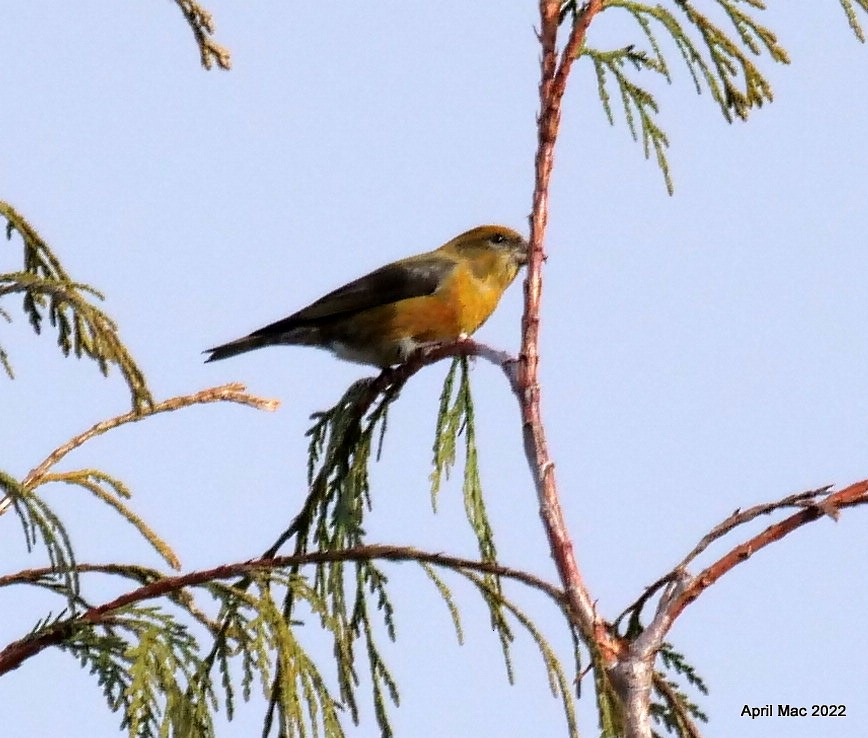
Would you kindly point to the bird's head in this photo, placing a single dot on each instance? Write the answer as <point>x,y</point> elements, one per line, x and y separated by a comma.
<point>492,240</point>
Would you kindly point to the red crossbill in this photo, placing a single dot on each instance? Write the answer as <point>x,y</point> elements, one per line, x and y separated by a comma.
<point>383,317</point>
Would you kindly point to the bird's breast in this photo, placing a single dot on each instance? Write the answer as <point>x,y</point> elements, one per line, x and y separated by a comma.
<point>459,306</point>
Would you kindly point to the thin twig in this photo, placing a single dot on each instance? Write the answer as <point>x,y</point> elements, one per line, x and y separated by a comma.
<point>202,25</point>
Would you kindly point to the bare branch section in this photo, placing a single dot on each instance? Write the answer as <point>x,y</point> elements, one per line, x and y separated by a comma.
<point>202,25</point>
<point>739,517</point>
<point>830,505</point>
<point>554,73</point>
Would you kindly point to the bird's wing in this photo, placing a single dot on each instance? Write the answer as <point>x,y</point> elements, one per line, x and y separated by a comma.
<point>415,277</point>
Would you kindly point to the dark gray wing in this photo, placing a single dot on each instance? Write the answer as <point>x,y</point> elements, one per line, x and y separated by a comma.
<point>414,277</point>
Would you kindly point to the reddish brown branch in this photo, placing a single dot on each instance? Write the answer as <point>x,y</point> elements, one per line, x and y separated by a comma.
<point>855,494</point>
<point>17,652</point>
<point>739,517</point>
<point>554,72</point>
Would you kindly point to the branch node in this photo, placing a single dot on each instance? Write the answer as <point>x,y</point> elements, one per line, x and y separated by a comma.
<point>827,507</point>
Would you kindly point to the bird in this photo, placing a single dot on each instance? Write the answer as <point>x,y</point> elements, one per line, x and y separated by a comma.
<point>383,317</point>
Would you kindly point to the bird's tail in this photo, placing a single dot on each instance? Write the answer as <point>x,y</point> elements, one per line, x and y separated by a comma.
<point>239,346</point>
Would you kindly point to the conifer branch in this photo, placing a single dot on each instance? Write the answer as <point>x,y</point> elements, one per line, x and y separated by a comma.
<point>332,515</point>
<point>456,417</point>
<point>719,59</point>
<point>82,327</point>
<point>635,100</point>
<point>226,393</point>
<point>362,396</point>
<point>113,491</point>
<point>162,586</point>
<point>558,683</point>
<point>48,577</point>
<point>675,712</point>
<point>40,523</point>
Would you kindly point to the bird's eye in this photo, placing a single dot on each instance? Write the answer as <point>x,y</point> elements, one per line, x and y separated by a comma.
<point>498,238</point>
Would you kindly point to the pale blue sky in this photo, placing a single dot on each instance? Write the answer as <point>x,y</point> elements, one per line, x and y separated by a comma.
<point>700,353</point>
